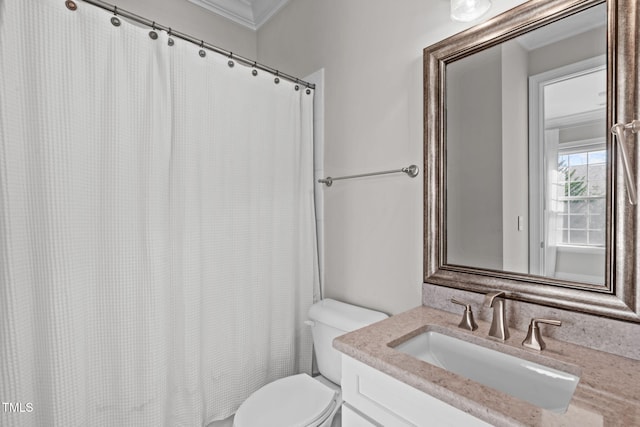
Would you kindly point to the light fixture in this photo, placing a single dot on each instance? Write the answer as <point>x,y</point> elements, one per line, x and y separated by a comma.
<point>468,10</point>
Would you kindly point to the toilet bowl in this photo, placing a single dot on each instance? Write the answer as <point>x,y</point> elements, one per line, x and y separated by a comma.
<point>301,400</point>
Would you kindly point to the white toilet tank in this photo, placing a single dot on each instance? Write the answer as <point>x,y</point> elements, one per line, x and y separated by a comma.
<point>331,319</point>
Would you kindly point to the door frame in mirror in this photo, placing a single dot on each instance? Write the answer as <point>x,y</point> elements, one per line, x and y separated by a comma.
<point>619,298</point>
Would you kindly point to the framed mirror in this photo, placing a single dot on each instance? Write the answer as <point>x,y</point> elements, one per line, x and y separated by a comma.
<point>524,190</point>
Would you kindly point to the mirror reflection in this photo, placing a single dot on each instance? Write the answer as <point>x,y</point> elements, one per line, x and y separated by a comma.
<point>526,153</point>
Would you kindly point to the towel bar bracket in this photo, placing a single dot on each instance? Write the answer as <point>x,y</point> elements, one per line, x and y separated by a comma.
<point>619,130</point>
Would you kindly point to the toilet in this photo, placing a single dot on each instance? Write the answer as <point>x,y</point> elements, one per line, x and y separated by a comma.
<point>301,400</point>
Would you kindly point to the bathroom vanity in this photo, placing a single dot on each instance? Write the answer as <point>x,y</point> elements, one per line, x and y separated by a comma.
<point>383,385</point>
<point>374,398</point>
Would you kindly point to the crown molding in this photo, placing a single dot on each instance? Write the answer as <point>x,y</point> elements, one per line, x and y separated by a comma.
<point>249,13</point>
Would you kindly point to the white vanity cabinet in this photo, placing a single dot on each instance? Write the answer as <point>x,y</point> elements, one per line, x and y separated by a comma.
<point>373,398</point>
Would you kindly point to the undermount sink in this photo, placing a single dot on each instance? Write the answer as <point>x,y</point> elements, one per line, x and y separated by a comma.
<point>540,385</point>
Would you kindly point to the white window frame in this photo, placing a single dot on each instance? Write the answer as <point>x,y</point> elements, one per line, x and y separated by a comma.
<point>537,128</point>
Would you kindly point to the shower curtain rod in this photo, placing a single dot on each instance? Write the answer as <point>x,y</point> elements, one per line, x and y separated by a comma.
<point>154,25</point>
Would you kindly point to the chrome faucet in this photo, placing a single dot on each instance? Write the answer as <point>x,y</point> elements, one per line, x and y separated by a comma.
<point>499,327</point>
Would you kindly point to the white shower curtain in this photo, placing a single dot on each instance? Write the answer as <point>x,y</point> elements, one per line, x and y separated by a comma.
<point>157,238</point>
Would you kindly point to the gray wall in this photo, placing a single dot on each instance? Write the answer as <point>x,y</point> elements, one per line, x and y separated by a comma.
<point>515,158</point>
<point>371,51</point>
<point>474,160</point>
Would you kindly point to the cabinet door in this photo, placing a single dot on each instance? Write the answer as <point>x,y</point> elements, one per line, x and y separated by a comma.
<point>351,418</point>
<point>393,403</point>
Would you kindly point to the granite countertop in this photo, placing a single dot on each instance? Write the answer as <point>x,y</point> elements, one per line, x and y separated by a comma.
<point>608,393</point>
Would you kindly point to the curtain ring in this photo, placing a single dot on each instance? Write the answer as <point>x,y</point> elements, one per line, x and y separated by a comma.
<point>254,71</point>
<point>170,40</point>
<point>277,79</point>
<point>153,33</point>
<point>230,63</point>
<point>71,5</point>
<point>202,52</point>
<point>114,19</point>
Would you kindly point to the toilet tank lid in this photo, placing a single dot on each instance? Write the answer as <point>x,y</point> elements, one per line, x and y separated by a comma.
<point>343,316</point>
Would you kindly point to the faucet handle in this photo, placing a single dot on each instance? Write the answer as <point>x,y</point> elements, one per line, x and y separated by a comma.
<point>467,321</point>
<point>534,337</point>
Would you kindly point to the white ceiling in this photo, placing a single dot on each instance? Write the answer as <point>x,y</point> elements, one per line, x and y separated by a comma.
<point>570,26</point>
<point>578,94</point>
<point>250,13</point>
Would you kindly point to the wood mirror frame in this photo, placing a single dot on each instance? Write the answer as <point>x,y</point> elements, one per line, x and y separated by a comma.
<point>620,297</point>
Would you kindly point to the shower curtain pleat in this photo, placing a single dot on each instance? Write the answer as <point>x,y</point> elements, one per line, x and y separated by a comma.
<point>157,237</point>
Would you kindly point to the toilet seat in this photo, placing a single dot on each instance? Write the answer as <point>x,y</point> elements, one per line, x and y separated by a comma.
<point>298,400</point>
